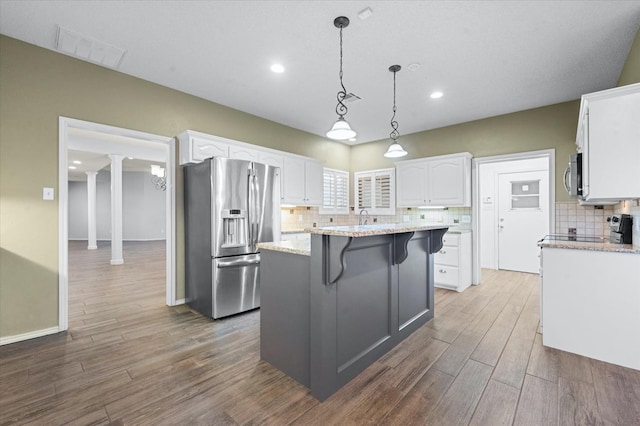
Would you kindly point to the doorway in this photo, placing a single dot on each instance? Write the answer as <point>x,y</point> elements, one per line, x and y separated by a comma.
<point>505,234</point>
<point>123,142</point>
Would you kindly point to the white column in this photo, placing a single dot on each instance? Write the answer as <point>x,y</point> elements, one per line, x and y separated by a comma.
<point>91,211</point>
<point>116,209</point>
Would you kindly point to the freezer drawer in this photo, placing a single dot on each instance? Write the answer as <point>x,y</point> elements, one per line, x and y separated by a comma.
<point>236,284</point>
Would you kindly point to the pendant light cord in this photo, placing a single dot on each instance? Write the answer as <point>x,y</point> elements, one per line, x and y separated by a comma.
<point>394,135</point>
<point>341,108</point>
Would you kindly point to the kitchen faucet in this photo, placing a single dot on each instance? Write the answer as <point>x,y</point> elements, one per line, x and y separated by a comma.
<point>360,217</point>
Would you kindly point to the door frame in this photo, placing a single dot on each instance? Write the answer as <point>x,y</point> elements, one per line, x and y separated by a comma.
<point>64,124</point>
<point>549,154</point>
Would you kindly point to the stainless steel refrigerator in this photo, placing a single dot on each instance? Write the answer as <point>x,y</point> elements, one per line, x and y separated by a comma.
<point>230,206</point>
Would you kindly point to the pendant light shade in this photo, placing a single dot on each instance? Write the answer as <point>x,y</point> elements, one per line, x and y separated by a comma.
<point>341,130</point>
<point>395,149</point>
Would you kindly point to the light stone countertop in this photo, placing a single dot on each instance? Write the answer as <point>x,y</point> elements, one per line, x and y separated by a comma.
<point>592,246</point>
<point>292,231</point>
<point>300,247</point>
<point>378,229</point>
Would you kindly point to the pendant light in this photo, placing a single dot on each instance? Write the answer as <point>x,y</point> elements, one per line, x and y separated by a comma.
<point>341,129</point>
<point>395,149</point>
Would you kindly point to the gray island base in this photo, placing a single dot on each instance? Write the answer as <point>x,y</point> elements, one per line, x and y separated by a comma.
<point>330,311</point>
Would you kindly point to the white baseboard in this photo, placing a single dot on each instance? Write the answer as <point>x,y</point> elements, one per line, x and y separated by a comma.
<point>30,335</point>
<point>180,302</point>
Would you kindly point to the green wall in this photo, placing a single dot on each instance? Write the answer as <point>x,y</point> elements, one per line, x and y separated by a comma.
<point>36,87</point>
<point>550,127</point>
<point>631,72</point>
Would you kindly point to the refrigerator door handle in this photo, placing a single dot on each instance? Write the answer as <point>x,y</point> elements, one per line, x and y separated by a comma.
<point>237,262</point>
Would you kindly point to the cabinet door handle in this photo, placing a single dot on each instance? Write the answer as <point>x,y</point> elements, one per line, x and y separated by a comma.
<point>442,271</point>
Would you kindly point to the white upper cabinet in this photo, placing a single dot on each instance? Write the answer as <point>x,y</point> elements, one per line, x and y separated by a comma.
<point>302,181</point>
<point>272,159</point>
<point>435,181</point>
<point>300,177</point>
<point>608,136</point>
<point>244,153</point>
<point>374,191</point>
<point>196,147</point>
<point>411,189</point>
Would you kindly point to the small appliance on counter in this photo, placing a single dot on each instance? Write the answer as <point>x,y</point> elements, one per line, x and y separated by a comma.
<point>620,227</point>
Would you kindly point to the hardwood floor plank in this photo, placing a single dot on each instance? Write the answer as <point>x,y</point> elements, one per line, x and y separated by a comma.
<point>577,403</point>
<point>497,406</point>
<point>574,367</point>
<point>420,401</point>
<point>617,391</point>
<point>455,357</point>
<point>491,346</point>
<point>512,366</point>
<point>459,402</point>
<point>543,362</point>
<point>538,403</point>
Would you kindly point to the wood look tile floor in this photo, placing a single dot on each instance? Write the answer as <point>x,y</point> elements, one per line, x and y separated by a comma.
<point>128,359</point>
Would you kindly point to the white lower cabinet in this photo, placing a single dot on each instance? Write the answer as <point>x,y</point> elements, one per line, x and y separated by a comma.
<point>452,264</point>
<point>590,302</point>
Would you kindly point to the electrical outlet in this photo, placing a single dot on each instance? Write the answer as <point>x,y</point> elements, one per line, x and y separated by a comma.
<point>405,218</point>
<point>300,218</point>
<point>422,216</point>
<point>465,218</point>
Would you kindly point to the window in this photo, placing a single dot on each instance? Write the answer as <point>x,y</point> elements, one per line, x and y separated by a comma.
<point>335,192</point>
<point>525,194</point>
<point>375,191</point>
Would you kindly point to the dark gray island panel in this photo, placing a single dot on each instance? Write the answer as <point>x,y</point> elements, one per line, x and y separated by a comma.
<point>362,295</point>
<point>353,316</point>
<point>284,314</point>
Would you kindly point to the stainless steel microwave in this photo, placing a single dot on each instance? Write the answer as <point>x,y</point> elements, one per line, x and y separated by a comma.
<point>573,176</point>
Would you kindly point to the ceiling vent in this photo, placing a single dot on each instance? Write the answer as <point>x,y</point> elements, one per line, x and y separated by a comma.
<point>351,98</point>
<point>88,49</point>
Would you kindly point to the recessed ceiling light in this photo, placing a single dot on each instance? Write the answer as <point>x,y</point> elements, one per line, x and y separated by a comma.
<point>436,95</point>
<point>277,68</point>
<point>352,139</point>
<point>413,67</point>
<point>77,162</point>
<point>130,158</point>
<point>72,167</point>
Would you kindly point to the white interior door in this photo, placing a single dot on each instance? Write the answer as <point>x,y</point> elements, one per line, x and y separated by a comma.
<point>523,219</point>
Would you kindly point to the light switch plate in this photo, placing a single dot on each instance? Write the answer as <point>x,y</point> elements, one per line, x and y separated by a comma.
<point>47,194</point>
<point>466,218</point>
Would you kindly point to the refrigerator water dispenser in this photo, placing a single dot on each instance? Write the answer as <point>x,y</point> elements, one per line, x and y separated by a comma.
<point>234,225</point>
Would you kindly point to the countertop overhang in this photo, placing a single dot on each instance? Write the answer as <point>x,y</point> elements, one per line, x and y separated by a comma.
<point>378,229</point>
<point>300,247</point>
<point>589,245</point>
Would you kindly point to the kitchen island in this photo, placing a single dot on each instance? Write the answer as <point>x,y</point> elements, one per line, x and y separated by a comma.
<point>333,304</point>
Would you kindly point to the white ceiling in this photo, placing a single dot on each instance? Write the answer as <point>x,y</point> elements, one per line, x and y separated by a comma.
<point>488,57</point>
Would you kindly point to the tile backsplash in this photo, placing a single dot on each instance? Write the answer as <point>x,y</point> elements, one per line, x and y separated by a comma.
<point>590,220</point>
<point>307,217</point>
<point>586,220</point>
